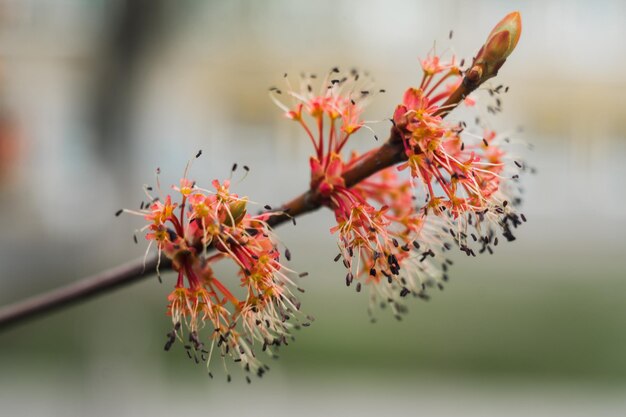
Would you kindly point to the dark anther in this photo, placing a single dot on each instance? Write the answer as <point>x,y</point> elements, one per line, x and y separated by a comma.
<point>349,278</point>
<point>199,153</point>
<point>172,234</point>
<point>120,211</point>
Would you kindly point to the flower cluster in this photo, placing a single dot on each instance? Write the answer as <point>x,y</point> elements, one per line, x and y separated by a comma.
<point>266,310</point>
<point>386,237</point>
<point>383,239</point>
<point>404,255</point>
<point>464,175</point>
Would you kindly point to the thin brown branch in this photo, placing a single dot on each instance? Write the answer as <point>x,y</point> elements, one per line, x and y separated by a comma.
<point>78,291</point>
<point>389,154</point>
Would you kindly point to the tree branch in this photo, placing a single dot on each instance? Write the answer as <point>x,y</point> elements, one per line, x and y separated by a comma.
<point>389,154</point>
<point>81,290</point>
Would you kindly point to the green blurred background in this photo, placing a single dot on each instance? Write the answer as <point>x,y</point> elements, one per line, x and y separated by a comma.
<point>95,94</point>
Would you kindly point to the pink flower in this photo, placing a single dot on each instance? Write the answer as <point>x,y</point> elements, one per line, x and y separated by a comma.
<point>334,110</point>
<point>380,231</point>
<point>392,233</point>
<point>461,176</point>
<point>238,323</point>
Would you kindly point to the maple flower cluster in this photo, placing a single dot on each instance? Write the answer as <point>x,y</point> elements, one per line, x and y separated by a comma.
<point>387,239</point>
<point>378,229</point>
<point>266,311</point>
<point>466,176</point>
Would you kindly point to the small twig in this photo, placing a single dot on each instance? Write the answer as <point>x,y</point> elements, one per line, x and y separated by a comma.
<point>78,291</point>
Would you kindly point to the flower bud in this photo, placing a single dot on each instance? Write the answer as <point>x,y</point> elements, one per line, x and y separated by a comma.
<point>499,45</point>
<point>504,37</point>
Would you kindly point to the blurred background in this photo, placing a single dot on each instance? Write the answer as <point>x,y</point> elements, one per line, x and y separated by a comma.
<point>94,95</point>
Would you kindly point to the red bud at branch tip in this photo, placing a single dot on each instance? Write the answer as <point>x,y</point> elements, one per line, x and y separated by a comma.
<point>499,45</point>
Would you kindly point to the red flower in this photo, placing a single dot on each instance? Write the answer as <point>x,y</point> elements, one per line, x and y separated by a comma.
<point>384,234</point>
<point>463,174</point>
<point>183,232</point>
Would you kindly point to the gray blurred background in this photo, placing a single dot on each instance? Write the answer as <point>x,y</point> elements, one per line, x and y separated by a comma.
<point>95,94</point>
